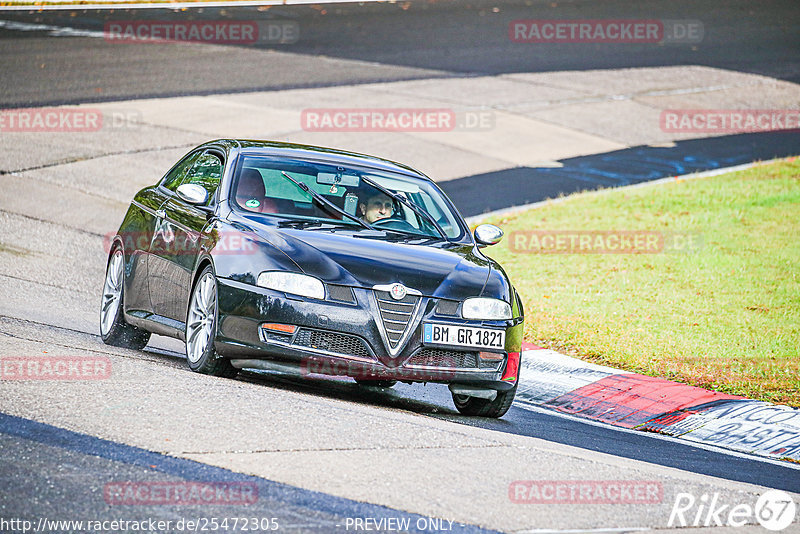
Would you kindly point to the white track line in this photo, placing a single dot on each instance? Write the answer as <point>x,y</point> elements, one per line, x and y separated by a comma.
<point>55,31</point>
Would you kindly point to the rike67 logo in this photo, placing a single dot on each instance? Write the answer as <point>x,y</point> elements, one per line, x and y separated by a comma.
<point>775,510</point>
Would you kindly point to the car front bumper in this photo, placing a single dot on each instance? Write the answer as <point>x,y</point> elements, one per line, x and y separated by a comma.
<point>338,338</point>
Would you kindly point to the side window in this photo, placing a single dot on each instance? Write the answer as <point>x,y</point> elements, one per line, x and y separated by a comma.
<point>207,172</point>
<point>175,177</point>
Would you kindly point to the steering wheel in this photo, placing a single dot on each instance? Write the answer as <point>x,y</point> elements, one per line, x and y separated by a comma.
<point>394,223</point>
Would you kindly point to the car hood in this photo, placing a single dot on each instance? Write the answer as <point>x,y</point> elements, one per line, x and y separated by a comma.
<point>440,270</point>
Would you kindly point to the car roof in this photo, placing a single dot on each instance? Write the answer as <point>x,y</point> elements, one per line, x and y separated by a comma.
<point>318,154</point>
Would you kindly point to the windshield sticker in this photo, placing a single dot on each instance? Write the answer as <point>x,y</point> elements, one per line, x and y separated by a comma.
<point>252,203</point>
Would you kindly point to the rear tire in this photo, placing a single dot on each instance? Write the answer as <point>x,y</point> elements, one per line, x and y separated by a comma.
<point>114,330</point>
<point>201,328</point>
<point>483,407</point>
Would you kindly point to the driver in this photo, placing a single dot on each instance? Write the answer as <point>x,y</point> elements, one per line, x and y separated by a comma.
<point>376,206</point>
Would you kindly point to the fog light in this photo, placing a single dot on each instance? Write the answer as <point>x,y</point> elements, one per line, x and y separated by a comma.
<point>492,356</point>
<point>279,328</point>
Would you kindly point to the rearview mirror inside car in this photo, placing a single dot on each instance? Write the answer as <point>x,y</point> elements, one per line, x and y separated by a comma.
<point>346,180</point>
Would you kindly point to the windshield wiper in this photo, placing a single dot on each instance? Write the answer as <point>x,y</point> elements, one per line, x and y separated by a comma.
<point>325,202</point>
<point>416,209</point>
<point>305,224</point>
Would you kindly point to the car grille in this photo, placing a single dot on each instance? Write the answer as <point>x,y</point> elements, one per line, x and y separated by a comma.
<point>395,315</point>
<point>445,358</point>
<point>344,344</point>
<point>454,359</point>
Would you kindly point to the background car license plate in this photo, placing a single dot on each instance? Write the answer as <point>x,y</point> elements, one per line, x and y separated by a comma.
<point>463,336</point>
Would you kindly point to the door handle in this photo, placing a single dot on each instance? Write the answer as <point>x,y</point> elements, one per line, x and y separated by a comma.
<point>161,214</point>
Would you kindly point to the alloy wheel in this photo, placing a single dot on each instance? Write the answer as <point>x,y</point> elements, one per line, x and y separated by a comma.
<point>112,293</point>
<point>200,320</point>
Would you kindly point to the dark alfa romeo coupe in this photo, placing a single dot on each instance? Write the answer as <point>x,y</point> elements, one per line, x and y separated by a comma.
<point>264,255</point>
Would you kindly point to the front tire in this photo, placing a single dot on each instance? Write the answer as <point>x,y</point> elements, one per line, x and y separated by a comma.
<point>113,328</point>
<point>201,328</point>
<point>483,407</point>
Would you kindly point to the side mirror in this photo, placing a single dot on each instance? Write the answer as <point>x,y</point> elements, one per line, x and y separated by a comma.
<point>487,234</point>
<point>194,194</point>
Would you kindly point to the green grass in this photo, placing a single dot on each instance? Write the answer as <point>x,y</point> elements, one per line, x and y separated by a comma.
<point>725,316</point>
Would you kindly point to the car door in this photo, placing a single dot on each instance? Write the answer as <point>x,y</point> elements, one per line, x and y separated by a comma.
<point>136,233</point>
<point>176,243</point>
<point>162,238</point>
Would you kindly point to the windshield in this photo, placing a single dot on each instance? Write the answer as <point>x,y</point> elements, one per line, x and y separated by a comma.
<point>268,185</point>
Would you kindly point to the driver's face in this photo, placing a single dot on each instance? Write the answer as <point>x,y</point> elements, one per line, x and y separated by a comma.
<point>376,208</point>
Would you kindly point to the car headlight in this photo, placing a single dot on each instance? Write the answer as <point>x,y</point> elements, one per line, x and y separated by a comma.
<point>485,308</point>
<point>294,283</point>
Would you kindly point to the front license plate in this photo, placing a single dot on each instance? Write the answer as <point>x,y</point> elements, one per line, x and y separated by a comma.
<point>463,336</point>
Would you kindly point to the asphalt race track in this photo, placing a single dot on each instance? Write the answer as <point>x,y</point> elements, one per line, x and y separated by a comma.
<point>322,452</point>
<point>523,185</point>
<point>345,44</point>
<point>83,458</point>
